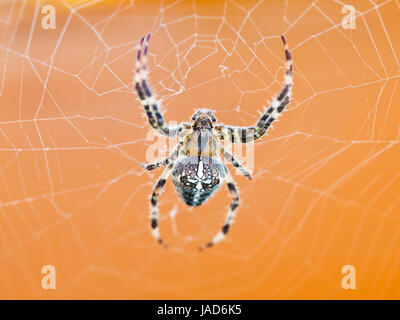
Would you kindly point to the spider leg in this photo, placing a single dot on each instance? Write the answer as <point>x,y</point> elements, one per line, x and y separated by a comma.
<point>230,217</point>
<point>167,160</point>
<point>246,134</point>
<point>158,188</point>
<point>228,156</point>
<point>148,101</point>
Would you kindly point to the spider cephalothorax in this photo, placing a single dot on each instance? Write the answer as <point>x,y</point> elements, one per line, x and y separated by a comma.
<point>196,167</point>
<point>203,119</point>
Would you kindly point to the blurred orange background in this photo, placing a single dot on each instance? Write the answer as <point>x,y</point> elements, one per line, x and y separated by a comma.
<point>326,181</point>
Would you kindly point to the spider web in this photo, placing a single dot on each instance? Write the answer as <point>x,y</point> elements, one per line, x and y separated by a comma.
<point>72,135</point>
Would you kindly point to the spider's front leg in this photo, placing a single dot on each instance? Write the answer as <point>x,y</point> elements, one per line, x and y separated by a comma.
<point>246,134</point>
<point>147,99</point>
<point>230,217</point>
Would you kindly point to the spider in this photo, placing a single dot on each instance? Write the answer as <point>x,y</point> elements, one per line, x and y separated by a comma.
<point>196,166</point>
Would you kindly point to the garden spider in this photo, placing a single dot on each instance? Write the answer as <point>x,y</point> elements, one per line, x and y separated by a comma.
<point>197,169</point>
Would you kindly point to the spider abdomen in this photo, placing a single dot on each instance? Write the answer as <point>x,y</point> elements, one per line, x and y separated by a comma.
<point>196,178</point>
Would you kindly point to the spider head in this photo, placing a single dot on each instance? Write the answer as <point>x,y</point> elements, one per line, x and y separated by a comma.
<point>203,119</point>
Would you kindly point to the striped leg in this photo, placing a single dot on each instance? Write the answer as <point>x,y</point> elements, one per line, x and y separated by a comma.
<point>231,213</point>
<point>158,188</point>
<point>234,162</point>
<point>246,134</point>
<point>149,102</point>
<point>167,160</point>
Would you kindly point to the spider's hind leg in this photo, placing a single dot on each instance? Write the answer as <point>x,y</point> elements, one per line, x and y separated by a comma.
<point>228,156</point>
<point>230,217</point>
<point>163,162</point>
<point>154,199</point>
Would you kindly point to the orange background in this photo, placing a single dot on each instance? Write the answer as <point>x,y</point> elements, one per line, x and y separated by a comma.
<point>72,134</point>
